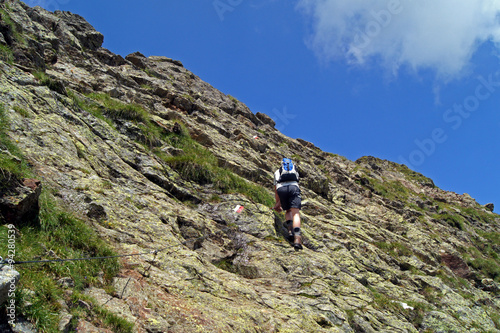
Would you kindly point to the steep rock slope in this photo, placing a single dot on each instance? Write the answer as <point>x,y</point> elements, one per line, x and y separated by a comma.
<point>156,159</point>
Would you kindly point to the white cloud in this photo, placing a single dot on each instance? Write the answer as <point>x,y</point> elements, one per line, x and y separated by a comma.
<point>437,34</point>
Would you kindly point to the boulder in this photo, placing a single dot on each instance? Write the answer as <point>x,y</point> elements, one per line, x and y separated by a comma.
<point>8,281</point>
<point>137,59</point>
<point>264,118</point>
<point>19,204</point>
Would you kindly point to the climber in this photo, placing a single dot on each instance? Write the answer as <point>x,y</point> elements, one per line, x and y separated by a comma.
<point>287,195</point>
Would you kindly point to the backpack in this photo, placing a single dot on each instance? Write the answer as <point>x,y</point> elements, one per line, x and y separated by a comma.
<point>288,172</point>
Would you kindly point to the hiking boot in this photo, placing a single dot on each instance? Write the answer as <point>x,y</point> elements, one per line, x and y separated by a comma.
<point>297,242</point>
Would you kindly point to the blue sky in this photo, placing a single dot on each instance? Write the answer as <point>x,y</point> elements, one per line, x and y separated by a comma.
<point>415,82</point>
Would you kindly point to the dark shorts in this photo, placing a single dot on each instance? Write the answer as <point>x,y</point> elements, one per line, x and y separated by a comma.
<point>289,197</point>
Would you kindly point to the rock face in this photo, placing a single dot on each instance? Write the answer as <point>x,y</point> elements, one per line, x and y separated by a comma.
<point>385,250</point>
<point>19,200</point>
<point>8,280</point>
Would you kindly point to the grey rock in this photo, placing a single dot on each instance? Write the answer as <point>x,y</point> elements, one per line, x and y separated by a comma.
<point>65,322</point>
<point>8,281</point>
<point>66,282</point>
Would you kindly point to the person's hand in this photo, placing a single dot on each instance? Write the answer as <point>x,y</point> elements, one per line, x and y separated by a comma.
<point>277,207</point>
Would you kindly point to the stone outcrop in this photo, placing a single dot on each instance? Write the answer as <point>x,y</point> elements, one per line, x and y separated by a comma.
<point>385,249</point>
<point>8,281</point>
<point>19,200</point>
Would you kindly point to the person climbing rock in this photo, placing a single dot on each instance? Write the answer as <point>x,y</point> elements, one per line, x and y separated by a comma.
<point>287,195</point>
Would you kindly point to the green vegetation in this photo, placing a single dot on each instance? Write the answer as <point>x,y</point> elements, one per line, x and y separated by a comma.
<point>5,16</point>
<point>453,220</point>
<point>6,54</point>
<point>105,107</point>
<point>116,109</point>
<point>489,266</point>
<point>226,264</point>
<point>390,189</point>
<point>199,165</point>
<point>233,99</point>
<point>336,156</point>
<point>395,249</point>
<point>457,283</point>
<point>90,106</point>
<point>495,316</point>
<point>188,97</point>
<point>414,176</point>
<point>146,87</point>
<point>492,238</point>
<point>100,315</point>
<point>21,111</point>
<point>432,295</point>
<point>416,316</point>
<point>384,302</point>
<point>196,163</point>
<point>46,80</point>
<point>151,73</point>
<point>478,215</point>
<point>61,235</point>
<point>11,159</point>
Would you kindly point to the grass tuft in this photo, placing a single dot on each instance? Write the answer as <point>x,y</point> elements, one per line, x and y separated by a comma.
<point>11,159</point>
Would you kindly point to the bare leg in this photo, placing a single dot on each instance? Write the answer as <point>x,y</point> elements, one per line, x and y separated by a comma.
<point>294,216</point>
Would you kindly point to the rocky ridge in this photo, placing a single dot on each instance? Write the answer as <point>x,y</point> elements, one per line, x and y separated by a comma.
<point>113,137</point>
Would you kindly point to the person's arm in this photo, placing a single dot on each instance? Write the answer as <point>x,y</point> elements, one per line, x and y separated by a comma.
<point>277,206</point>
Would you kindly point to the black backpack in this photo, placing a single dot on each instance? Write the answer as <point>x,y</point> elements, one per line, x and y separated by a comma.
<point>288,173</point>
